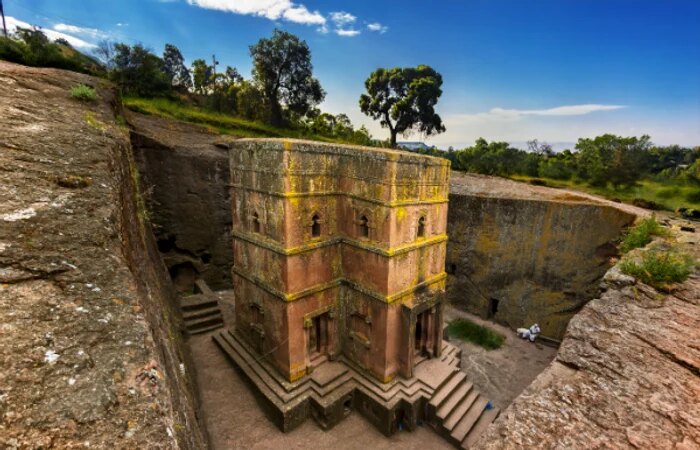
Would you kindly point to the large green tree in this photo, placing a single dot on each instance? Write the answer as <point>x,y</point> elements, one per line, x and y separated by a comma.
<point>175,68</point>
<point>203,76</point>
<point>620,161</point>
<point>138,71</point>
<point>404,99</point>
<point>282,69</point>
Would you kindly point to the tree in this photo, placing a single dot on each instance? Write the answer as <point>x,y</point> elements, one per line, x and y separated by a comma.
<point>138,71</point>
<point>202,73</point>
<point>404,99</point>
<point>605,159</point>
<point>540,148</point>
<point>283,70</point>
<point>249,101</point>
<point>224,90</point>
<point>105,53</point>
<point>174,67</point>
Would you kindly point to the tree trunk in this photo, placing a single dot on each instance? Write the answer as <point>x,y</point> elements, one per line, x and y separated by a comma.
<point>393,138</point>
<point>276,113</point>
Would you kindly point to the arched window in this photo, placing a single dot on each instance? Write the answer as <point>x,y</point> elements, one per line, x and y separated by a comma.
<point>364,227</point>
<point>256,222</point>
<point>315,226</point>
<point>421,227</point>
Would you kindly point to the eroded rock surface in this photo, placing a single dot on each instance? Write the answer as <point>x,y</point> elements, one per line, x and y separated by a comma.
<point>185,175</point>
<point>627,375</point>
<point>521,254</point>
<point>89,347</point>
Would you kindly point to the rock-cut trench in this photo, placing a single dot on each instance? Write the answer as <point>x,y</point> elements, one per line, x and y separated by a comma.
<point>517,254</point>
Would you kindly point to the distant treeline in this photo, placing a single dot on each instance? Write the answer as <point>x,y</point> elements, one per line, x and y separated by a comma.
<point>606,160</point>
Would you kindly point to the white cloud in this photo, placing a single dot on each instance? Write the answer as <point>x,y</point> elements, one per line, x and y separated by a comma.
<point>72,29</point>
<point>347,32</point>
<point>573,110</point>
<point>376,26</point>
<point>269,9</point>
<point>13,23</point>
<point>344,24</point>
<point>299,14</point>
<point>342,18</point>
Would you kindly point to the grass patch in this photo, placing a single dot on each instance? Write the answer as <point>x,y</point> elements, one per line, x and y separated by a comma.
<point>83,92</point>
<point>659,269</point>
<point>217,122</point>
<point>469,331</point>
<point>669,195</point>
<point>641,234</point>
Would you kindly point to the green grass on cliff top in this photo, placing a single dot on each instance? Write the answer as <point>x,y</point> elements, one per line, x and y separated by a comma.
<point>469,331</point>
<point>217,122</point>
<point>668,195</point>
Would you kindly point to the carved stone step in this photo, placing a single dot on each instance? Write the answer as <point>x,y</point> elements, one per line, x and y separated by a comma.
<point>206,329</point>
<point>197,301</point>
<point>456,415</point>
<point>455,398</point>
<point>197,324</point>
<point>444,392</point>
<point>480,426</point>
<point>469,419</point>
<point>200,312</point>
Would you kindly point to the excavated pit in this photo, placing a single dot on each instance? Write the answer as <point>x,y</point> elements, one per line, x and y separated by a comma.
<point>507,239</point>
<point>520,254</point>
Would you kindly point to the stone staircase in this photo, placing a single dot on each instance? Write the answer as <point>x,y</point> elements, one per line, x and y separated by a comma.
<point>459,413</point>
<point>200,311</point>
<point>438,393</point>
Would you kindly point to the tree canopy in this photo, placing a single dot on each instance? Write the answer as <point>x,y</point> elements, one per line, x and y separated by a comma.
<point>283,70</point>
<point>404,100</point>
<point>175,68</point>
<point>138,71</point>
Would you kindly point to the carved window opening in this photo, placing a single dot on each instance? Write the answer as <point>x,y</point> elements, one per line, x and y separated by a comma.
<point>364,227</point>
<point>315,226</point>
<point>255,313</point>
<point>256,222</point>
<point>317,343</point>
<point>421,227</point>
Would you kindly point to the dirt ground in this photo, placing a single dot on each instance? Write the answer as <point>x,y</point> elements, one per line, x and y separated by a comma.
<point>504,373</point>
<point>234,419</point>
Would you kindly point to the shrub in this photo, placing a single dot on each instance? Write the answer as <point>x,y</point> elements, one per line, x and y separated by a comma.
<point>83,92</point>
<point>469,331</point>
<point>641,234</point>
<point>667,193</point>
<point>693,196</point>
<point>659,268</point>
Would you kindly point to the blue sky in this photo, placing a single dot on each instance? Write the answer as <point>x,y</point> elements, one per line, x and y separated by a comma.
<point>513,70</point>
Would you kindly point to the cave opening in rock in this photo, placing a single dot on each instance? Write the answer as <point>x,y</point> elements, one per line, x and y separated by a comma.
<point>166,244</point>
<point>183,275</point>
<point>493,307</point>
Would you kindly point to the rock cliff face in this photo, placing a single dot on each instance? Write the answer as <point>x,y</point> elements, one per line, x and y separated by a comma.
<point>627,376</point>
<point>185,178</point>
<point>520,254</point>
<point>90,350</point>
